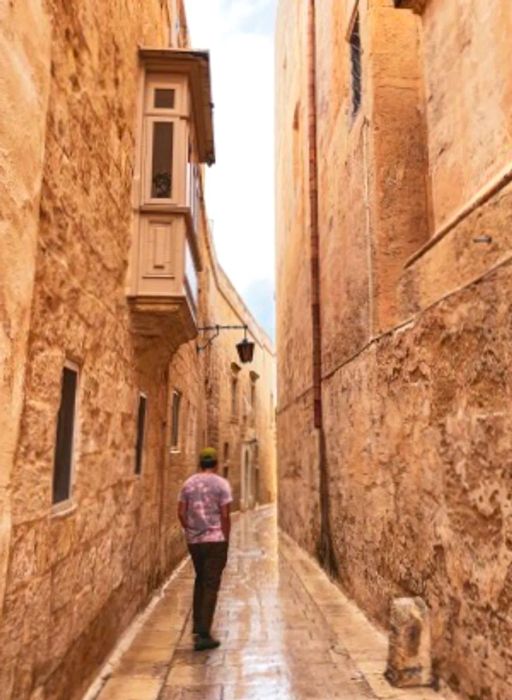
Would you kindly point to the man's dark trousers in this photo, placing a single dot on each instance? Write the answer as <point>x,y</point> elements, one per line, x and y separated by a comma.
<point>209,559</point>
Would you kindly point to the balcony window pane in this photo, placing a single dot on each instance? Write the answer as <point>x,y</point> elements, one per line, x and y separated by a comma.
<point>194,194</point>
<point>161,165</point>
<point>164,99</point>
<point>191,274</point>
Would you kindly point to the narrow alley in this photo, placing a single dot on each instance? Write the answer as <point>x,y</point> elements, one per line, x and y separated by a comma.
<point>287,634</point>
<point>268,240</point>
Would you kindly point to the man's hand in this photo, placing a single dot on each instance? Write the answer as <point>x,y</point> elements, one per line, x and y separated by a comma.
<point>225,520</point>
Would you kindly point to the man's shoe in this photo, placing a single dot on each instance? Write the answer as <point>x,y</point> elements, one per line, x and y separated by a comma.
<point>204,643</point>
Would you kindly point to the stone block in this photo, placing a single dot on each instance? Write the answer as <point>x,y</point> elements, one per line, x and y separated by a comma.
<point>37,609</point>
<point>409,660</point>
<point>63,537</point>
<point>63,582</point>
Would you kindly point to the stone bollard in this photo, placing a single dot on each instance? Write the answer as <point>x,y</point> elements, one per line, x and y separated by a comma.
<point>409,659</point>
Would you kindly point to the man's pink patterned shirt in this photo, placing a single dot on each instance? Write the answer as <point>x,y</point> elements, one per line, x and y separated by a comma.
<point>204,494</point>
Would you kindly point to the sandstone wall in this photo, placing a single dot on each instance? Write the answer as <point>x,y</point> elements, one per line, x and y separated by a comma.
<point>416,361</point>
<point>76,579</point>
<point>469,91</point>
<point>24,87</point>
<point>296,437</point>
<point>294,319</point>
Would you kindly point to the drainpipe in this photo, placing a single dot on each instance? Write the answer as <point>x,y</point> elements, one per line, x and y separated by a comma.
<point>325,549</point>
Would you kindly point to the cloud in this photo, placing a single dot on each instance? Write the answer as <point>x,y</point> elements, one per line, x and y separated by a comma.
<point>240,187</point>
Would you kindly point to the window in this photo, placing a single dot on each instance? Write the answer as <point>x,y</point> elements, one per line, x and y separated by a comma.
<point>234,397</point>
<point>194,190</point>
<point>355,65</point>
<point>141,429</point>
<point>175,421</point>
<point>161,161</point>
<point>165,131</point>
<point>64,447</point>
<point>164,98</point>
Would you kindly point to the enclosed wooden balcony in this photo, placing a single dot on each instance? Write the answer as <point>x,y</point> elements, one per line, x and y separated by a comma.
<point>175,140</point>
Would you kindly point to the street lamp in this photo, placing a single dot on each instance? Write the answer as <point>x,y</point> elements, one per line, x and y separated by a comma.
<point>245,351</point>
<point>245,348</point>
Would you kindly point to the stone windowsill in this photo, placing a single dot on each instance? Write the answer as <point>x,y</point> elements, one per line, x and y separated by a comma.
<point>64,509</point>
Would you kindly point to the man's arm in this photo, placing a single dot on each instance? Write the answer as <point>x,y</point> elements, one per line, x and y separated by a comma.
<point>225,520</point>
<point>182,514</point>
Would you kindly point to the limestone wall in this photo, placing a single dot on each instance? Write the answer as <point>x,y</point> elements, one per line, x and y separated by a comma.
<point>468,90</point>
<point>24,86</point>
<point>75,580</point>
<point>415,355</point>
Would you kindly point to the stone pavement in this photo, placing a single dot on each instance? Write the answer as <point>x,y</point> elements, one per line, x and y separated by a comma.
<point>287,634</point>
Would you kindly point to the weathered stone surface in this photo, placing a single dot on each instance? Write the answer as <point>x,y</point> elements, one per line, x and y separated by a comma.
<point>409,659</point>
<point>416,354</point>
<point>68,137</point>
<point>468,113</point>
<point>24,88</point>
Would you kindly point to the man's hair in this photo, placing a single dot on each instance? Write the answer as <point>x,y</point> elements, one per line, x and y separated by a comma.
<point>208,464</point>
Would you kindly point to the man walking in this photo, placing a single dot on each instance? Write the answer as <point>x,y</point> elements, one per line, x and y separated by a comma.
<point>204,512</point>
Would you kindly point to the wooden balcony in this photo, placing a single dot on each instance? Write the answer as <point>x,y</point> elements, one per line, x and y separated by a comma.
<point>163,279</point>
<point>176,137</point>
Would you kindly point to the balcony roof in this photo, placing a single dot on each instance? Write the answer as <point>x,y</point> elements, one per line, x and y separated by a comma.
<point>196,66</point>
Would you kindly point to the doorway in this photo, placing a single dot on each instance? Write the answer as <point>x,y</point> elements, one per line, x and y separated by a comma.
<point>249,477</point>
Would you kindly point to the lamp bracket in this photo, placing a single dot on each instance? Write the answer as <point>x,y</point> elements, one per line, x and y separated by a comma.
<point>215,330</point>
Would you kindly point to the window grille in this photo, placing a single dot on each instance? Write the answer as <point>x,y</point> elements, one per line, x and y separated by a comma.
<point>141,429</point>
<point>64,447</point>
<point>355,65</point>
<point>234,397</point>
<point>175,420</point>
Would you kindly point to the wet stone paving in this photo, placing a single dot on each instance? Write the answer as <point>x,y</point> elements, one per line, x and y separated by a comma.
<point>287,633</point>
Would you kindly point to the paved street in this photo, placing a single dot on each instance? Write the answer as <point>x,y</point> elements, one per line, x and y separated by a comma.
<point>287,634</point>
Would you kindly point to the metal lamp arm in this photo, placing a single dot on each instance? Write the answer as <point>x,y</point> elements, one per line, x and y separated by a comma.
<point>216,331</point>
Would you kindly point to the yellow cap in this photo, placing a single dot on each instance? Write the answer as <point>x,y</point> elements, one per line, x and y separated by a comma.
<point>208,456</point>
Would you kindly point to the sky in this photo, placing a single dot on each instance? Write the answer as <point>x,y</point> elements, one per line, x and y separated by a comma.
<point>240,186</point>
